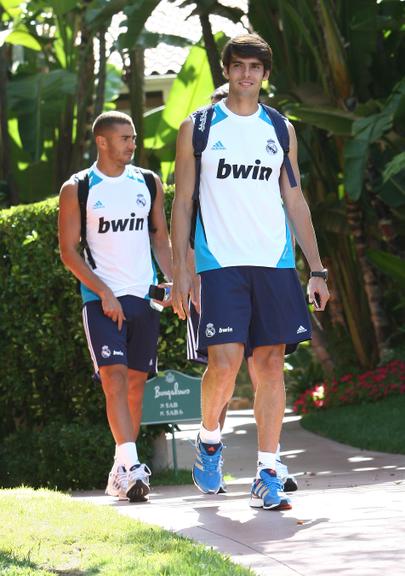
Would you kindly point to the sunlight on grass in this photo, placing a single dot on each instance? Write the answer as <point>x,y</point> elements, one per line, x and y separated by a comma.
<point>376,426</point>
<point>43,533</point>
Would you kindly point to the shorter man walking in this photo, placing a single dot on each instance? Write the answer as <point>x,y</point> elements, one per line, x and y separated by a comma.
<point>123,222</point>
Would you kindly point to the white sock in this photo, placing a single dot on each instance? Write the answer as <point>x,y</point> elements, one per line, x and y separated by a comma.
<point>127,455</point>
<point>266,460</point>
<point>210,436</point>
<point>278,457</point>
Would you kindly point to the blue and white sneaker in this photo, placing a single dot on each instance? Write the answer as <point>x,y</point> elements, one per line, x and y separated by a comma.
<point>267,492</point>
<point>207,469</point>
<point>289,482</point>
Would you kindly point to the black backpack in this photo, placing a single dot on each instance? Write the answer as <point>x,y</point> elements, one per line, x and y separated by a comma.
<point>202,125</point>
<point>82,180</point>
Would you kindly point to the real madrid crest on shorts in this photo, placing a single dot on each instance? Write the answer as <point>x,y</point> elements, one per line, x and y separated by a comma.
<point>271,147</point>
<point>210,330</point>
<point>105,352</point>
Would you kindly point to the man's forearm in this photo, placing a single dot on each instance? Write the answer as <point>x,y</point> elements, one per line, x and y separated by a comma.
<point>181,227</point>
<point>300,218</point>
<point>75,263</point>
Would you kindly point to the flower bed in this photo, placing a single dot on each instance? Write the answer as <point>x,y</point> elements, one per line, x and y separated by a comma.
<point>369,386</point>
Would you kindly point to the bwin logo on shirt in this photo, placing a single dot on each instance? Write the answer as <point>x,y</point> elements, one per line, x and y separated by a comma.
<point>255,172</point>
<point>120,225</point>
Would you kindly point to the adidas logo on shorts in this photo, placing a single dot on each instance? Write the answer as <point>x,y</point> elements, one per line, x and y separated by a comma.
<point>301,329</point>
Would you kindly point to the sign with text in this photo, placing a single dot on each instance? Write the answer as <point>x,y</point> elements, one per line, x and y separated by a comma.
<point>171,397</point>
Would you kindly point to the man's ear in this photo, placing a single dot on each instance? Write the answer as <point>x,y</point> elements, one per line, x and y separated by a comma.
<point>266,75</point>
<point>225,73</point>
<point>101,142</point>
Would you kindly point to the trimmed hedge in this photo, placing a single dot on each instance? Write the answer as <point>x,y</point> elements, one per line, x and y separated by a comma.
<point>62,456</point>
<point>45,369</point>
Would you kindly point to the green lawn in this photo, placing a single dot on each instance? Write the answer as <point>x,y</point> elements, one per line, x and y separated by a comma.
<point>44,533</point>
<point>376,426</point>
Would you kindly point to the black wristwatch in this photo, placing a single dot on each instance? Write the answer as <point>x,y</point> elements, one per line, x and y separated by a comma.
<point>320,274</point>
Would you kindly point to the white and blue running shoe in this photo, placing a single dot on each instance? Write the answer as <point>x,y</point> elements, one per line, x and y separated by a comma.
<point>267,492</point>
<point>207,469</point>
<point>289,482</point>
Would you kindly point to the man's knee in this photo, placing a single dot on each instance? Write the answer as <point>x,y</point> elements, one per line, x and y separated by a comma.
<point>269,360</point>
<point>136,384</point>
<point>114,380</point>
<point>223,368</point>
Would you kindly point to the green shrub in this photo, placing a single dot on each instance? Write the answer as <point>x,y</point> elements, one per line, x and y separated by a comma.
<point>62,456</point>
<point>45,369</point>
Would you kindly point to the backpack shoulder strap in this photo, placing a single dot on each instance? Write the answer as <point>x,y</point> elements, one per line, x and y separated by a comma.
<point>202,124</point>
<point>280,127</point>
<point>150,182</point>
<point>83,187</point>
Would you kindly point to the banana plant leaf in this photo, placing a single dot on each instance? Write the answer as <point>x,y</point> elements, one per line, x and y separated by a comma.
<point>333,120</point>
<point>20,36</point>
<point>190,90</point>
<point>36,101</point>
<point>389,264</point>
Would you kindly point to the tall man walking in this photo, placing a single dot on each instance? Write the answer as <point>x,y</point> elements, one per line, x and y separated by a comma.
<point>244,255</point>
<point>121,327</point>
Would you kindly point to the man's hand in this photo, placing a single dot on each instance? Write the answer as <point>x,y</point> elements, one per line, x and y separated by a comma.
<point>112,308</point>
<point>182,287</point>
<point>318,293</point>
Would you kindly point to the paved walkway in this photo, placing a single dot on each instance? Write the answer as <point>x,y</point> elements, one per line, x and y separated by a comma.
<point>348,516</point>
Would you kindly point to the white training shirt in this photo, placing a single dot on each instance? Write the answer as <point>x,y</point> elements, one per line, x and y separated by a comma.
<point>242,222</point>
<point>117,232</point>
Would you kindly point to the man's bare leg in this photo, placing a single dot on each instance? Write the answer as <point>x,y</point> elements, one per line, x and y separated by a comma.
<point>217,388</point>
<point>269,403</point>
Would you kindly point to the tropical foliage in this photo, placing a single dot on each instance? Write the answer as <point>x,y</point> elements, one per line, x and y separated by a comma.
<point>338,75</point>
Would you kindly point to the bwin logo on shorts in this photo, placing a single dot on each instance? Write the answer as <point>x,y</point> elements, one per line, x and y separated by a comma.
<point>210,330</point>
<point>105,352</point>
<point>271,147</point>
<point>140,200</point>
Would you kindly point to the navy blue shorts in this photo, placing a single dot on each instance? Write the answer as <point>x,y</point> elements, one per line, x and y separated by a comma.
<point>253,305</point>
<point>134,346</point>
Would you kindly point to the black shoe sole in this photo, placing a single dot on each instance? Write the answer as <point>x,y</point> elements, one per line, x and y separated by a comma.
<point>290,485</point>
<point>138,492</point>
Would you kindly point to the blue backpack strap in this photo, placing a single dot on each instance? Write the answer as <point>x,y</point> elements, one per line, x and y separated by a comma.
<point>83,187</point>
<point>150,182</point>
<point>283,137</point>
<point>202,124</point>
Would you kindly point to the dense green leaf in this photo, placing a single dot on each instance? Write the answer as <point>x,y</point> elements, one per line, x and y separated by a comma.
<point>397,164</point>
<point>389,264</point>
<point>61,7</point>
<point>331,119</point>
<point>21,37</point>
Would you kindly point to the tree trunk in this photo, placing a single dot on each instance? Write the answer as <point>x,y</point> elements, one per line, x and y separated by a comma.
<point>319,346</point>
<point>374,297</point>
<point>212,51</point>
<point>136,97</point>
<point>100,91</point>
<point>84,99</point>
<point>5,147</point>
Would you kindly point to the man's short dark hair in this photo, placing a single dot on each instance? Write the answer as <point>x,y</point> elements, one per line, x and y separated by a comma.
<point>220,93</point>
<point>248,46</point>
<point>107,120</point>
